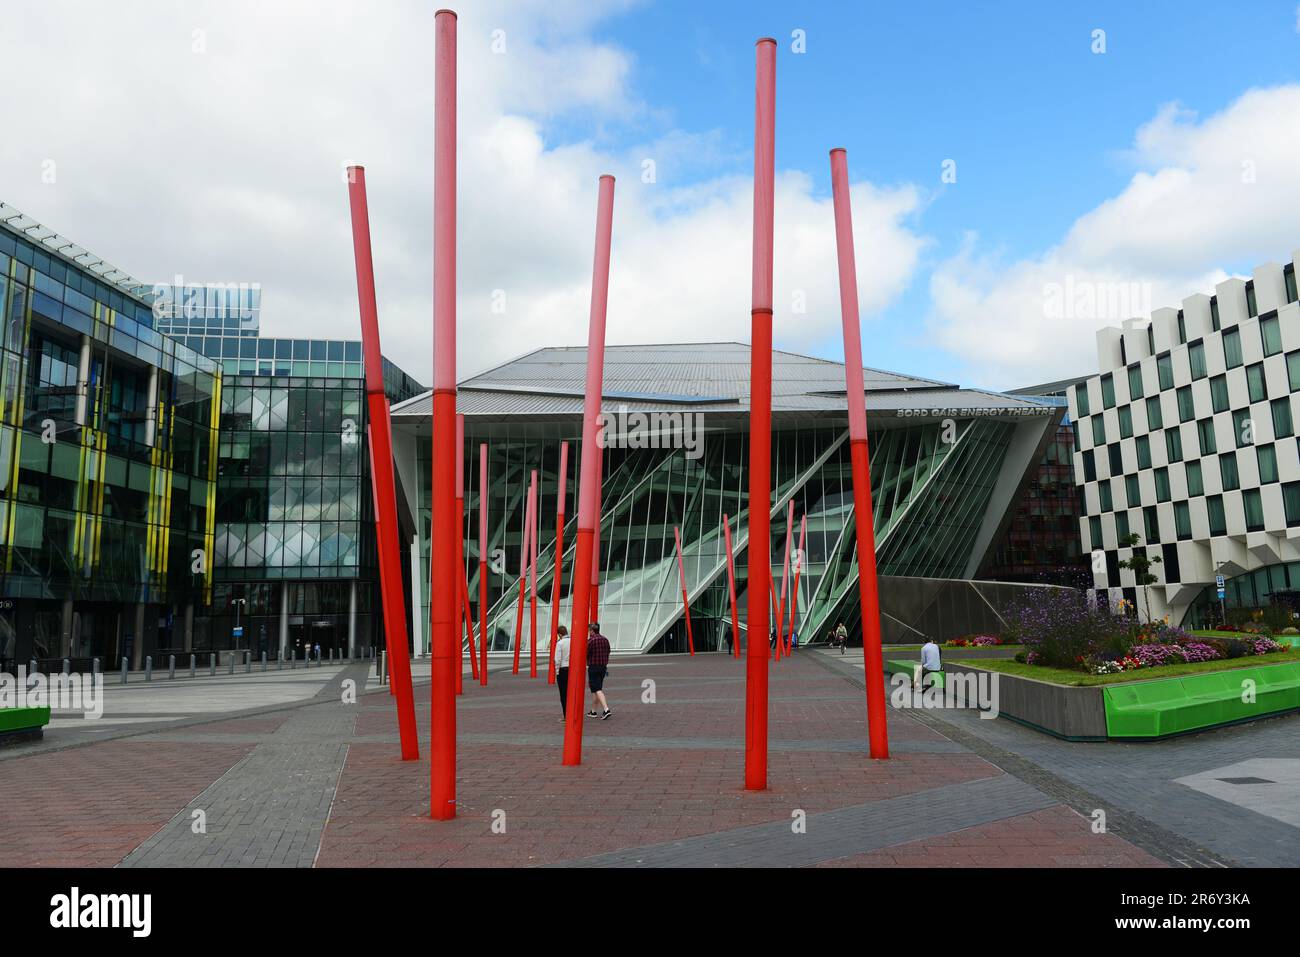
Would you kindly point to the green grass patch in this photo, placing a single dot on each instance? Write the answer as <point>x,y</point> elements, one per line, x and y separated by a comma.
<point>947,650</point>
<point>1067,676</point>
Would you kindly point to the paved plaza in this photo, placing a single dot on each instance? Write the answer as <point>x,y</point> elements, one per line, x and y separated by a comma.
<point>276,769</point>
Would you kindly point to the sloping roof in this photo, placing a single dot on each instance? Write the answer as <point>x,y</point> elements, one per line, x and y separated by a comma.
<point>704,377</point>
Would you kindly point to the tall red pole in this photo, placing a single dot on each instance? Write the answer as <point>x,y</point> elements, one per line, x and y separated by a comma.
<point>686,604</point>
<point>731,588</point>
<point>524,546</point>
<point>595,547</point>
<point>532,574</point>
<point>760,417</point>
<point>797,567</point>
<point>381,472</point>
<point>560,496</point>
<point>589,480</point>
<point>465,622</point>
<point>442,553</point>
<point>482,561</point>
<point>868,591</point>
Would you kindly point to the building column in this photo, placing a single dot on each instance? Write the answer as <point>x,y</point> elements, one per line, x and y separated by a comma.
<point>352,619</point>
<point>417,620</point>
<point>284,619</point>
<point>189,626</point>
<point>83,381</point>
<point>151,410</point>
<point>137,640</point>
<point>65,644</point>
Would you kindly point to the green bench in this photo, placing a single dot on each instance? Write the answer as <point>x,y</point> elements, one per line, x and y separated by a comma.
<point>910,667</point>
<point>1165,706</point>
<point>21,724</point>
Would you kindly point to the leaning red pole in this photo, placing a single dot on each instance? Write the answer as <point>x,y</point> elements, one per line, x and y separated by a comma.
<point>731,588</point>
<point>595,548</point>
<point>782,638</point>
<point>381,472</point>
<point>868,589</point>
<point>534,528</point>
<point>798,567</point>
<point>589,479</point>
<point>482,561</point>
<point>760,417</point>
<point>442,552</point>
<point>463,618</point>
<point>560,496</point>
<point>524,545</point>
<point>686,604</point>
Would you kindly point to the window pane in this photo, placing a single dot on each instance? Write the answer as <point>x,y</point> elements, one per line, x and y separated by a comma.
<point>1232,348</point>
<point>1154,419</point>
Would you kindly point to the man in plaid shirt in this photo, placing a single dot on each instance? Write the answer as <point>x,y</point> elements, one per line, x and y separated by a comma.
<point>597,670</point>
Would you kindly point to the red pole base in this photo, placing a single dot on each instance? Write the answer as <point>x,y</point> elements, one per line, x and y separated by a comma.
<point>868,594</point>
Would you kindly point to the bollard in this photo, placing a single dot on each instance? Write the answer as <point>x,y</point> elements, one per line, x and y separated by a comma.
<point>94,666</point>
<point>123,671</point>
<point>67,666</point>
<point>293,659</point>
<point>248,662</point>
<point>230,663</point>
<point>212,663</point>
<point>383,668</point>
<point>279,662</point>
<point>171,668</point>
<point>148,668</point>
<point>264,661</point>
<point>192,663</point>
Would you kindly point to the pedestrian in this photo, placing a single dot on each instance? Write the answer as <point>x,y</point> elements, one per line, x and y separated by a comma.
<point>597,671</point>
<point>318,652</point>
<point>731,647</point>
<point>930,661</point>
<point>771,639</point>
<point>794,640</point>
<point>562,669</point>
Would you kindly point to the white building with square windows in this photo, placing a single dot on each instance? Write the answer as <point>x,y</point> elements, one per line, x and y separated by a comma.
<point>1187,438</point>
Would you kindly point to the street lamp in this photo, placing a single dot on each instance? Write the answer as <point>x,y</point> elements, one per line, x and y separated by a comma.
<point>238,603</point>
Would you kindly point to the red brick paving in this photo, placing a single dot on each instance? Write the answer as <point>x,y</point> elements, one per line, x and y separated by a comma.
<point>1057,836</point>
<point>90,806</point>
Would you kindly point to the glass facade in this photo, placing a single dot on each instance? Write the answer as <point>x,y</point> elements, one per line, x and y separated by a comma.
<point>107,464</point>
<point>929,499</point>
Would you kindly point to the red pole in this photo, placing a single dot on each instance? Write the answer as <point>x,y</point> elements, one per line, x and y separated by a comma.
<point>760,417</point>
<point>731,587</point>
<point>595,547</point>
<point>524,545</point>
<point>781,636</point>
<point>442,596</point>
<point>465,617</point>
<point>559,559</point>
<point>798,567</point>
<point>868,591</point>
<point>589,480</point>
<point>482,561</point>
<point>381,472</point>
<point>465,623</point>
<point>534,528</point>
<point>686,605</point>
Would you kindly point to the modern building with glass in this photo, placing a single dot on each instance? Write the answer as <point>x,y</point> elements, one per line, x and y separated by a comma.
<point>946,463</point>
<point>170,481</point>
<point>1186,438</point>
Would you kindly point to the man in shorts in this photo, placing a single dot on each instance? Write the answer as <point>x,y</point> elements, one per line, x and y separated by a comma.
<point>597,670</point>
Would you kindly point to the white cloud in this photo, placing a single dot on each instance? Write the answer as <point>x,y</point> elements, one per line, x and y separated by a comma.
<point>1209,195</point>
<point>226,165</point>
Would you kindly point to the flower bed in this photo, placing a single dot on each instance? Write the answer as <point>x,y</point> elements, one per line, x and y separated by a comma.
<point>1062,631</point>
<point>974,641</point>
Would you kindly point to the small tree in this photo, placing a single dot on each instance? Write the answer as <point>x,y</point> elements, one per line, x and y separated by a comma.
<point>1139,563</point>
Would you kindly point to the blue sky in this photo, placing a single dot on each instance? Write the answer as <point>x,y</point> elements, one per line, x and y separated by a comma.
<point>1039,125</point>
<point>1156,168</point>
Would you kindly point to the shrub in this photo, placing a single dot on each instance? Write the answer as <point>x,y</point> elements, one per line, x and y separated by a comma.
<point>1264,646</point>
<point>1059,629</point>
